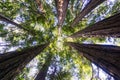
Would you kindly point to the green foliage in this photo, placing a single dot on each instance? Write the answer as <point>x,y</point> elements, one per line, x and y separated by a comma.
<point>61,76</point>
<point>68,62</point>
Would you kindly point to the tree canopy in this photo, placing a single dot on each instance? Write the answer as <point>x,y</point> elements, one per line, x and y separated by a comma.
<point>29,23</point>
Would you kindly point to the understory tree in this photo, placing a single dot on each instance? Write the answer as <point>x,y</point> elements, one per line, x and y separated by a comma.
<point>12,63</point>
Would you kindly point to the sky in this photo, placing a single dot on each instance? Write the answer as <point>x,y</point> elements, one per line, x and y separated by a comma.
<point>33,63</point>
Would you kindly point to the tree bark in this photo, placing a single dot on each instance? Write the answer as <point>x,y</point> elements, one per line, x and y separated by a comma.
<point>12,63</point>
<point>61,6</point>
<point>89,7</point>
<point>3,18</point>
<point>43,71</point>
<point>106,57</point>
<point>40,6</point>
<point>109,27</point>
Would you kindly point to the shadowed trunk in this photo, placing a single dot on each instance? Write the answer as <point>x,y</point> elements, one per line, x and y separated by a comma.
<point>12,63</point>
<point>89,7</point>
<point>43,71</point>
<point>61,6</point>
<point>106,57</point>
<point>3,18</point>
<point>109,27</point>
<point>53,73</point>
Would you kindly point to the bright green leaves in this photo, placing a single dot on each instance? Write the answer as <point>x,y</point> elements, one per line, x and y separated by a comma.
<point>115,8</point>
<point>83,67</point>
<point>3,32</point>
<point>44,27</point>
<point>24,75</point>
<point>25,12</point>
<point>62,75</point>
<point>9,9</point>
<point>1,27</point>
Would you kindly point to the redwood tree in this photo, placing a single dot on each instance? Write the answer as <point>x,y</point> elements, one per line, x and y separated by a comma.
<point>7,20</point>
<point>12,63</point>
<point>43,71</point>
<point>3,18</point>
<point>88,8</point>
<point>105,56</point>
<point>109,27</point>
<point>61,6</point>
<point>37,17</point>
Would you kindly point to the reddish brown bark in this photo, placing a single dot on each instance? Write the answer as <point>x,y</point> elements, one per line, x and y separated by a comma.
<point>12,63</point>
<point>40,6</point>
<point>109,27</point>
<point>89,7</point>
<point>61,6</point>
<point>106,57</point>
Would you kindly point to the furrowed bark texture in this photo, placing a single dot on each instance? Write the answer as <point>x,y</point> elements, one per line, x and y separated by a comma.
<point>109,27</point>
<point>43,71</point>
<point>89,7</point>
<point>61,6</point>
<point>106,57</point>
<point>12,63</point>
<point>3,18</point>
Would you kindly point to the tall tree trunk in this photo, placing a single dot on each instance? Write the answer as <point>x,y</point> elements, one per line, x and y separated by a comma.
<point>106,57</point>
<point>109,27</point>
<point>61,6</point>
<point>89,7</point>
<point>43,71</point>
<point>3,18</point>
<point>12,63</point>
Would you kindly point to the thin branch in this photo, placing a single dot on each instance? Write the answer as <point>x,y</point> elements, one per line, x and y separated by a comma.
<point>3,18</point>
<point>43,71</point>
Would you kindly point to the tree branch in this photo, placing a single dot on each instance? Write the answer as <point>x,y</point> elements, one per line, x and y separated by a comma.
<point>2,18</point>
